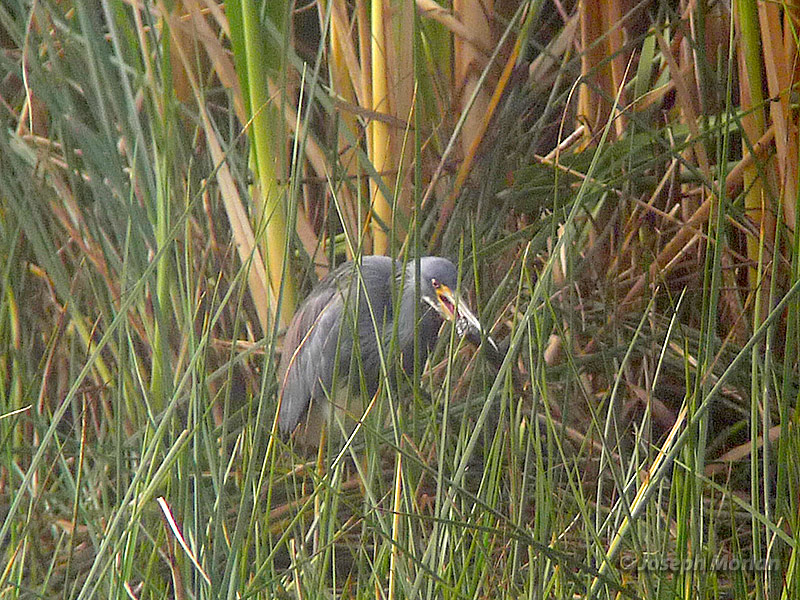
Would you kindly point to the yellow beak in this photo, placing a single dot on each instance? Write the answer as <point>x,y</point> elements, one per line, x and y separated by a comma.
<point>454,308</point>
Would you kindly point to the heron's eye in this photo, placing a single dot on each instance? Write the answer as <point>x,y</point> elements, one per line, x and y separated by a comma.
<point>435,283</point>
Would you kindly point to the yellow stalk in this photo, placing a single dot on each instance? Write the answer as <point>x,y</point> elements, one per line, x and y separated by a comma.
<point>380,143</point>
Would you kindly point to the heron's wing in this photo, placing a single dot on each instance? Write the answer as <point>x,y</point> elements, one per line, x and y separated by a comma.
<point>316,339</point>
<point>302,355</point>
<point>307,365</point>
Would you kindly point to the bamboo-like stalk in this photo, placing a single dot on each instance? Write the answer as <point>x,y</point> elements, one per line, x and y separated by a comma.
<point>267,196</point>
<point>380,142</point>
<point>754,126</point>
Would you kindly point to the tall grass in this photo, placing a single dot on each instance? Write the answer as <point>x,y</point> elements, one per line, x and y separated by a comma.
<point>618,185</point>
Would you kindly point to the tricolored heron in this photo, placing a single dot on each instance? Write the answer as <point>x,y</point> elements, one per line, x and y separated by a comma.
<point>353,305</point>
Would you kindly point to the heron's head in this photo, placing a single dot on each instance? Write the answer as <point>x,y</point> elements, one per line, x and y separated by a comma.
<point>439,280</point>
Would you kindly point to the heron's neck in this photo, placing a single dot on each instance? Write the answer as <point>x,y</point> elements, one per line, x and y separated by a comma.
<point>417,316</point>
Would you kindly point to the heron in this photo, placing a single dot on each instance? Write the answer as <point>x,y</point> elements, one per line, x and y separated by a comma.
<point>349,321</point>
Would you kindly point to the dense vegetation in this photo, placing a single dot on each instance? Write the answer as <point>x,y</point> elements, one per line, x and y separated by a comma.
<point>618,183</point>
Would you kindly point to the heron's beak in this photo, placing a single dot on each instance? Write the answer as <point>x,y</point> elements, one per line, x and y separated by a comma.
<point>454,308</point>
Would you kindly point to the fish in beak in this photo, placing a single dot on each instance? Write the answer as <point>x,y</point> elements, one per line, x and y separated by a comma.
<point>453,308</point>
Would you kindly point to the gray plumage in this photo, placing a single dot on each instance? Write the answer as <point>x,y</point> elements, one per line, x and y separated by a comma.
<point>337,314</point>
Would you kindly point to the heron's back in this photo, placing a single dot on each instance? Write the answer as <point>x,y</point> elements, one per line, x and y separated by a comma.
<point>322,333</point>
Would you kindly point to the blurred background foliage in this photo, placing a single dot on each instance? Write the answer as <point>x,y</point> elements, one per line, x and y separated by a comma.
<point>618,181</point>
